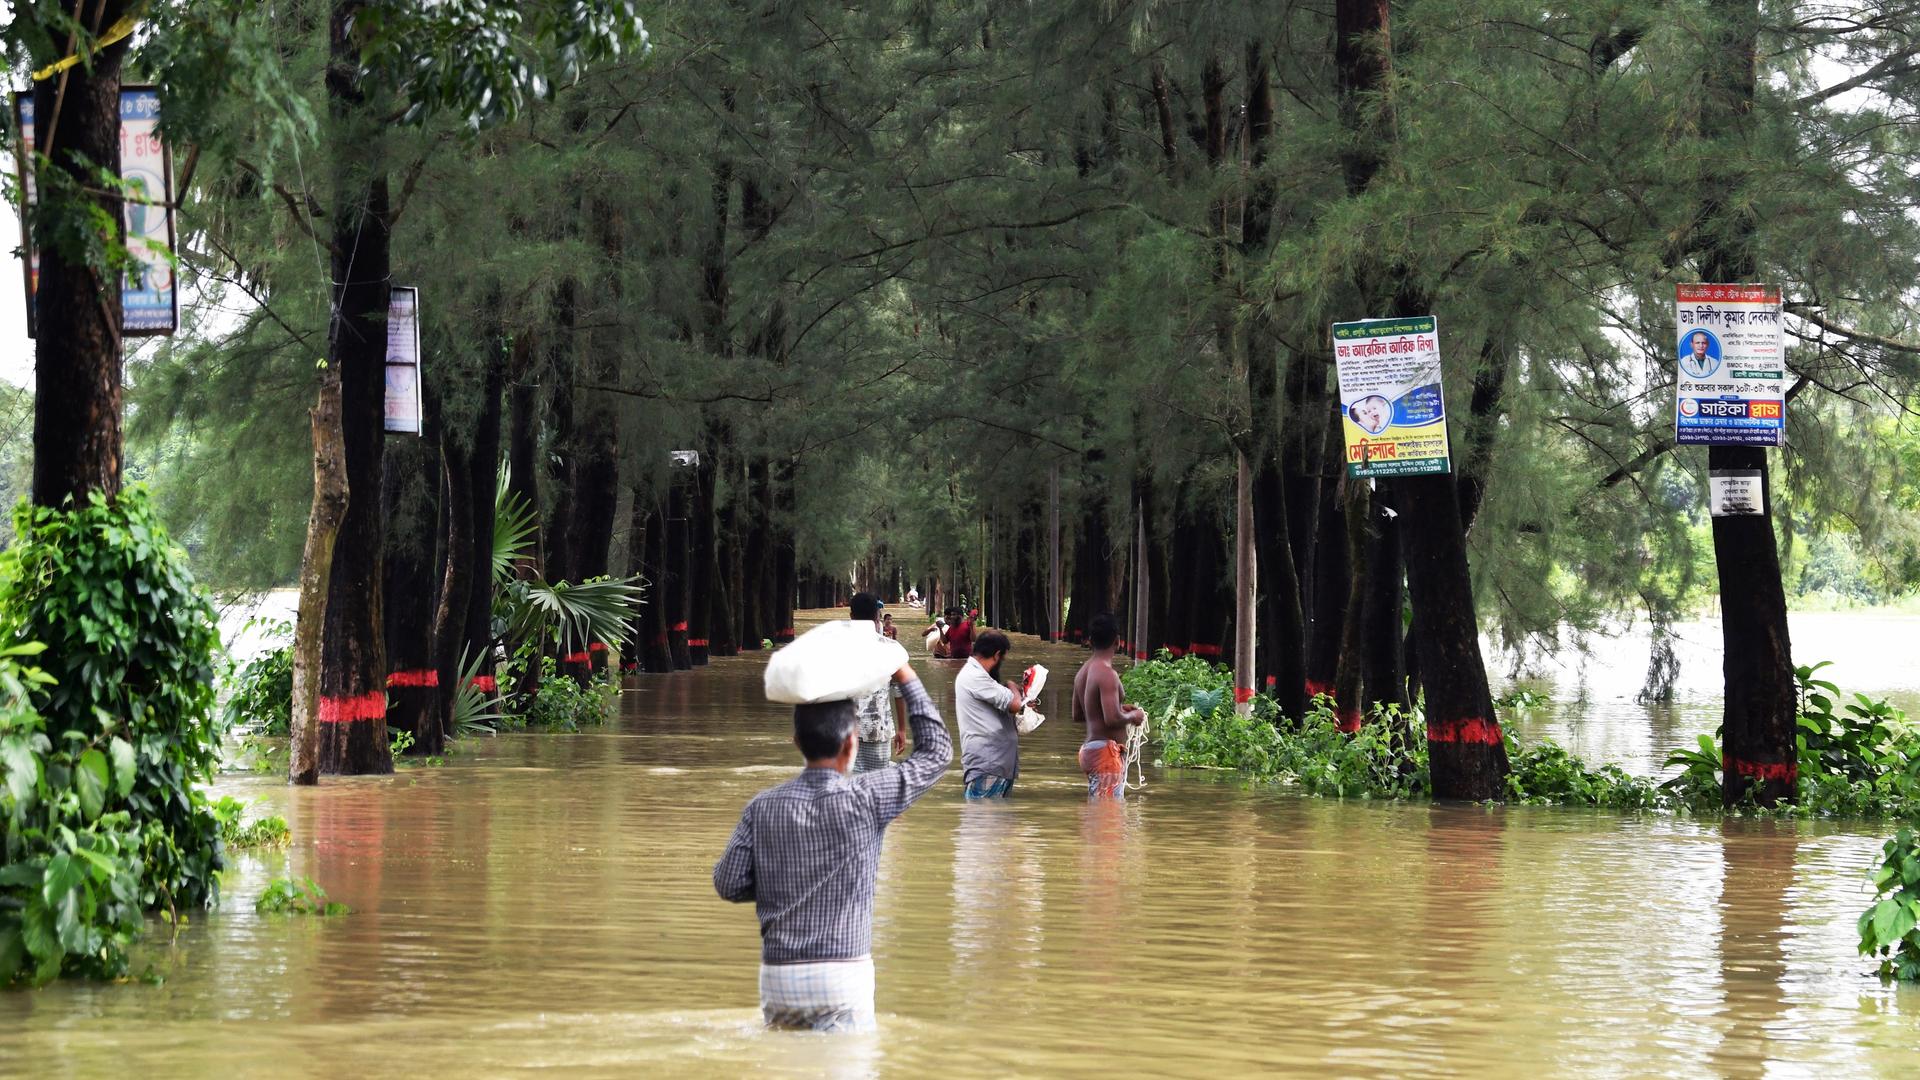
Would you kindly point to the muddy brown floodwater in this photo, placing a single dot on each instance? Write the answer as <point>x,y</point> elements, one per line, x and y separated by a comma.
<point>543,902</point>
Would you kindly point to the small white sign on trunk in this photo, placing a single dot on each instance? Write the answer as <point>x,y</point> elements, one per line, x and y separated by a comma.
<point>1736,492</point>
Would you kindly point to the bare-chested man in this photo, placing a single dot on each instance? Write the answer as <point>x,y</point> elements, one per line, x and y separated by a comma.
<point>1096,701</point>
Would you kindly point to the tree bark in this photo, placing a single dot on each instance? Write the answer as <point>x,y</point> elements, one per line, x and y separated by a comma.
<point>456,579</point>
<point>409,483</point>
<point>353,705</point>
<point>1760,753</point>
<point>77,363</point>
<point>316,567</point>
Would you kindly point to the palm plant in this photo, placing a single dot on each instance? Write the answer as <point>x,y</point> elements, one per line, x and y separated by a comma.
<point>532,609</point>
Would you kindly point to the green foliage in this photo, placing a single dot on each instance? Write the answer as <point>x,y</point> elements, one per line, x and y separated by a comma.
<point>569,614</point>
<point>1546,774</point>
<point>73,880</point>
<point>560,703</point>
<point>104,749</point>
<point>237,833</point>
<point>288,896</point>
<point>260,691</point>
<point>1890,929</point>
<point>474,711</point>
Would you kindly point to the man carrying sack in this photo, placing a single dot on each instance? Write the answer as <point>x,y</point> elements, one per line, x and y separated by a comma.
<point>806,852</point>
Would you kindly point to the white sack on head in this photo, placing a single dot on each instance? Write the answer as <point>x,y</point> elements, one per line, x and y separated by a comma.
<point>835,661</point>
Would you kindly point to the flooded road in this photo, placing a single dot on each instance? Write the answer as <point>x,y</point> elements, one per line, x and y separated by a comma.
<point>543,902</point>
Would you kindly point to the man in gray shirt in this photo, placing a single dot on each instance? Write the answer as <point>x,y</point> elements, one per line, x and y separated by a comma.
<point>806,853</point>
<point>989,738</point>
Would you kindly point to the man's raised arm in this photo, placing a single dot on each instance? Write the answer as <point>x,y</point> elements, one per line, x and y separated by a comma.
<point>896,789</point>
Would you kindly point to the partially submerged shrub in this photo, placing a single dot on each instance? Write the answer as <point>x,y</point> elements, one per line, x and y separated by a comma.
<point>104,744</point>
<point>1890,929</point>
<point>260,690</point>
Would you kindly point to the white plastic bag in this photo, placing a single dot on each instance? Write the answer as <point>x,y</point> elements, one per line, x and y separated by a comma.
<point>1031,684</point>
<point>840,660</point>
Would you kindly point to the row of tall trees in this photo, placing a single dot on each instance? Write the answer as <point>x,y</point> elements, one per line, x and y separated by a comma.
<point>912,279</point>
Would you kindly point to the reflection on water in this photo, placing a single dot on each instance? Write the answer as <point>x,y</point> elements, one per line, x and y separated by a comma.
<point>543,902</point>
<point>1593,684</point>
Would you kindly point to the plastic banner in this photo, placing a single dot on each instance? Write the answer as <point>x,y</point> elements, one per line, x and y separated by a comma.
<point>149,297</point>
<point>1731,366</point>
<point>1391,404</point>
<point>403,360</point>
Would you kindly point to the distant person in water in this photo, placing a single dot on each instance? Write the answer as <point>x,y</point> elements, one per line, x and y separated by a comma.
<point>985,709</point>
<point>936,638</point>
<point>883,728</point>
<point>1096,702</point>
<point>806,853</point>
<point>959,634</point>
<point>887,629</point>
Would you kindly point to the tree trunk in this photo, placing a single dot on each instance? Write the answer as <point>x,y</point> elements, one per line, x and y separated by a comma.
<point>1467,755</point>
<point>76,413</point>
<point>484,478</point>
<point>316,571</point>
<point>1332,574</point>
<point>409,483</point>
<point>1382,606</point>
<point>1350,673</point>
<point>353,701</point>
<point>1246,587</point>
<point>1760,755</point>
<point>678,588</point>
<point>456,578</point>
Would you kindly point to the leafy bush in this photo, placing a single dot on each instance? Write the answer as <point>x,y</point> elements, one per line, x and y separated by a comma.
<point>102,750</point>
<point>260,691</point>
<point>286,896</point>
<point>1862,760</point>
<point>563,704</point>
<point>1890,929</point>
<point>236,832</point>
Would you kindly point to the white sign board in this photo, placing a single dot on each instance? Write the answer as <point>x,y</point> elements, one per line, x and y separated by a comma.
<point>403,360</point>
<point>1731,366</point>
<point>1736,492</point>
<point>149,300</point>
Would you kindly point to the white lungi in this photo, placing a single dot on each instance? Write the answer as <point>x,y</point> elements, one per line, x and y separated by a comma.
<point>829,995</point>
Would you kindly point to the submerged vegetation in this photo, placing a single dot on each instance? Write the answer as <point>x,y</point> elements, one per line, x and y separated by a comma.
<point>296,896</point>
<point>106,736</point>
<point>1857,760</point>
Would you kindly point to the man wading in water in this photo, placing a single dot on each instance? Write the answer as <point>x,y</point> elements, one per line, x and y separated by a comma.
<point>883,727</point>
<point>985,711</point>
<point>806,852</point>
<point>1096,701</point>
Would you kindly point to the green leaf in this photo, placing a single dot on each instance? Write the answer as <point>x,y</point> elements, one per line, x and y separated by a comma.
<point>36,931</point>
<point>125,767</point>
<point>22,768</point>
<point>90,780</point>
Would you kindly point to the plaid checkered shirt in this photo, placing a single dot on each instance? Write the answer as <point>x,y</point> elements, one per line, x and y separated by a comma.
<point>806,852</point>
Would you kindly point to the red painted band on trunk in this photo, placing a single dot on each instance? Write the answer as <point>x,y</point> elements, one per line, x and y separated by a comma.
<point>1200,648</point>
<point>1139,655</point>
<point>1176,651</point>
<point>577,658</point>
<point>1242,695</point>
<point>629,667</point>
<point>1273,681</point>
<point>680,627</point>
<point>785,631</point>
<point>696,643</point>
<point>1316,689</point>
<point>344,709</point>
<point>415,678</point>
<point>598,646</point>
<point>1349,719</point>
<point>486,684</point>
<point>1472,730</point>
<point>1784,772</point>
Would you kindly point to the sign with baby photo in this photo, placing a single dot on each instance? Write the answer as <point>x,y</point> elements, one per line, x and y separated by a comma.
<point>1391,405</point>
